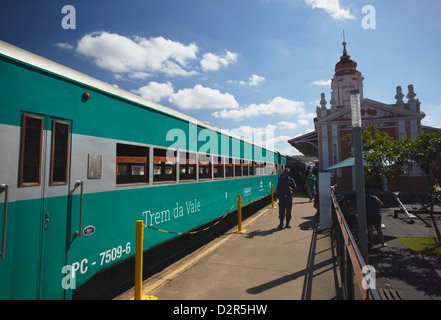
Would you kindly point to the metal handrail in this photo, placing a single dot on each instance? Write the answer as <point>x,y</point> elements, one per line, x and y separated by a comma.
<point>352,241</point>
<point>353,250</point>
<point>5,220</point>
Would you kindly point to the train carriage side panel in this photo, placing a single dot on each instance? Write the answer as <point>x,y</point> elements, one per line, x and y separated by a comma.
<point>47,254</point>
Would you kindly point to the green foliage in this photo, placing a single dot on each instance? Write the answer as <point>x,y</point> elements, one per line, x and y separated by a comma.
<point>427,154</point>
<point>386,157</point>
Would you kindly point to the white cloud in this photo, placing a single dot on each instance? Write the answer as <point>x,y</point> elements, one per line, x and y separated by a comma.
<point>212,62</point>
<point>308,116</point>
<point>140,75</point>
<point>289,150</point>
<point>280,140</point>
<point>246,131</point>
<point>278,105</point>
<point>138,56</point>
<point>155,91</point>
<point>332,7</point>
<point>294,125</point>
<point>287,125</point>
<point>304,119</point>
<point>64,46</point>
<point>253,81</point>
<point>203,98</point>
<point>325,83</point>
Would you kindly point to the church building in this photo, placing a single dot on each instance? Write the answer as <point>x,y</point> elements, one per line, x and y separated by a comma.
<point>333,123</point>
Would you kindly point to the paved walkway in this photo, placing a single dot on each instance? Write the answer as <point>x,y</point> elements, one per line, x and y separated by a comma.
<point>265,263</point>
<point>417,276</point>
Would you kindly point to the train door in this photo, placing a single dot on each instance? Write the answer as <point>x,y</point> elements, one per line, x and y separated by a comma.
<point>44,176</point>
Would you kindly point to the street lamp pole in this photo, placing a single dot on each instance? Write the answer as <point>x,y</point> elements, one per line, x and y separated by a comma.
<point>359,173</point>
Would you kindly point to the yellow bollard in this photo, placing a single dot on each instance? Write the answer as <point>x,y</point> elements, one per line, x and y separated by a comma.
<point>138,259</point>
<point>272,198</point>
<point>239,216</point>
<point>138,262</point>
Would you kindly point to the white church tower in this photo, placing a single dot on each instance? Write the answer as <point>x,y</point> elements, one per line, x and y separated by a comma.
<point>346,78</point>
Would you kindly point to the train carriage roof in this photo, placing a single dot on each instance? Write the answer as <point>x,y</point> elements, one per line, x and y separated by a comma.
<point>28,58</point>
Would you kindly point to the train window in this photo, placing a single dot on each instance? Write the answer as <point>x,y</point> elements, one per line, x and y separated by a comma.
<point>187,166</point>
<point>60,152</point>
<point>164,165</point>
<point>204,166</point>
<point>218,167</point>
<point>131,164</point>
<point>229,168</point>
<point>238,167</point>
<point>259,169</point>
<point>272,168</point>
<point>245,167</point>
<point>252,168</point>
<point>31,145</point>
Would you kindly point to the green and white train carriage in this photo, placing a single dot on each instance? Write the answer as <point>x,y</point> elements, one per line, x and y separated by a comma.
<point>82,160</point>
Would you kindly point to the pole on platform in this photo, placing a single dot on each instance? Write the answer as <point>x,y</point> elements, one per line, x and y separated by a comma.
<point>138,262</point>
<point>272,198</point>
<point>239,216</point>
<point>359,172</point>
<point>361,202</point>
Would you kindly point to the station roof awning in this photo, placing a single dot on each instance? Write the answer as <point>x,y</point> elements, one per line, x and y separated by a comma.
<point>349,162</point>
<point>306,144</point>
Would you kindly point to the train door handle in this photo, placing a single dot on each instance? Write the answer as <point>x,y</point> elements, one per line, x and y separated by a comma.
<point>47,221</point>
<point>5,219</point>
<point>80,184</point>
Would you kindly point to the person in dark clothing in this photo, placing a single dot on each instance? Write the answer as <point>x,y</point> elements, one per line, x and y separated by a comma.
<point>373,218</point>
<point>284,192</point>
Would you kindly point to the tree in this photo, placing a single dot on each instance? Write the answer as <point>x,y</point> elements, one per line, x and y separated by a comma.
<point>382,156</point>
<point>389,158</point>
<point>426,152</point>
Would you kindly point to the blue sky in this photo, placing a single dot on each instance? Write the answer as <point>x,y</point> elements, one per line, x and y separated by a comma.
<point>240,65</point>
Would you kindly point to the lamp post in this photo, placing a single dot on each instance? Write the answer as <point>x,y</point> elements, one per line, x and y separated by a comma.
<point>359,173</point>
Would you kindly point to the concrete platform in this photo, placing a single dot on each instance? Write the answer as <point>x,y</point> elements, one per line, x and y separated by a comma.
<point>265,263</point>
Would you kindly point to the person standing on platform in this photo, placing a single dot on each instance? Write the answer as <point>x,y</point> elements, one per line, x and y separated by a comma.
<point>284,192</point>
<point>373,218</point>
<point>310,184</point>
